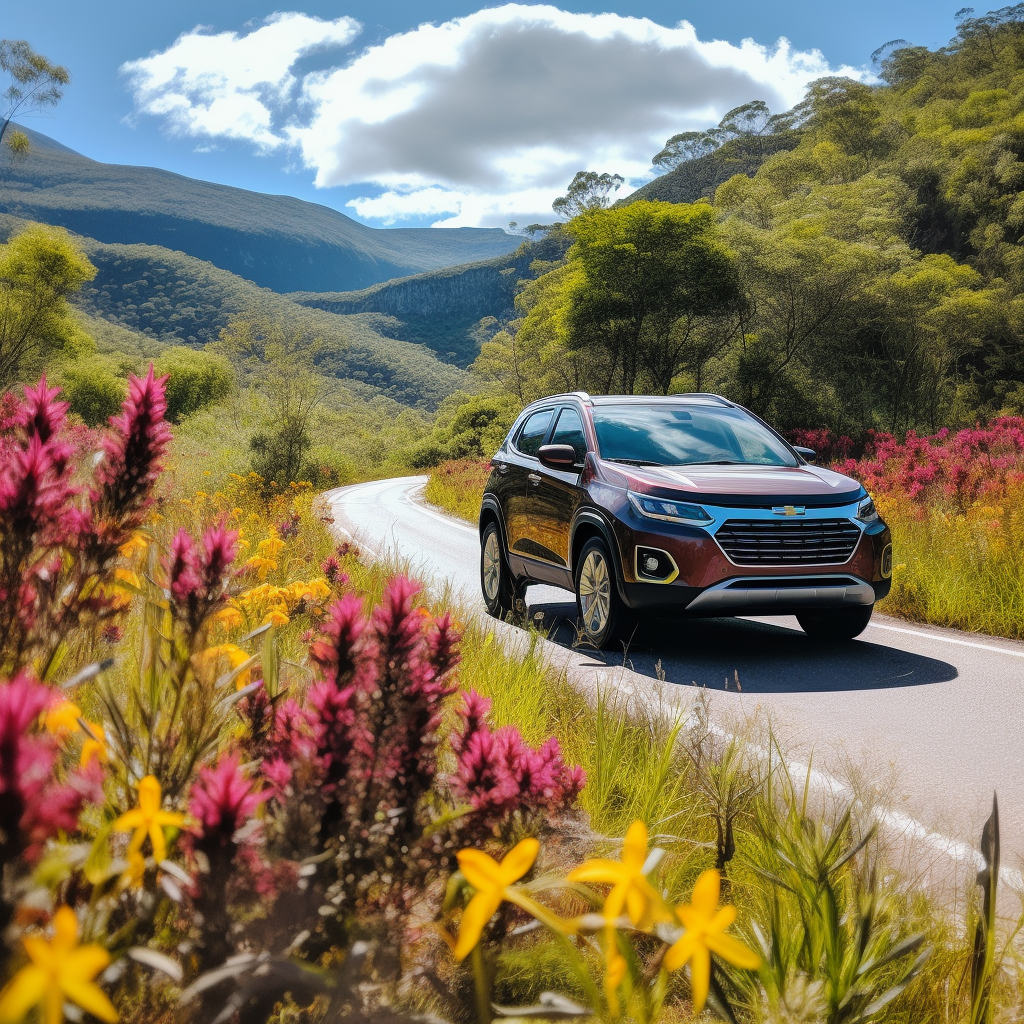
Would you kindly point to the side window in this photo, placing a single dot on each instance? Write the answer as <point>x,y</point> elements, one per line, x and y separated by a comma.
<point>569,430</point>
<point>532,433</point>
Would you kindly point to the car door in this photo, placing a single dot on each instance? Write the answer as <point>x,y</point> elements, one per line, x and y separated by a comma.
<point>523,467</point>
<point>555,497</point>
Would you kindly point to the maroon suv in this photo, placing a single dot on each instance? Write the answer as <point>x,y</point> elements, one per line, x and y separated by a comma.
<point>688,504</point>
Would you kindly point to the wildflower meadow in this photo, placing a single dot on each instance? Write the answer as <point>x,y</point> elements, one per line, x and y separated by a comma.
<point>246,777</point>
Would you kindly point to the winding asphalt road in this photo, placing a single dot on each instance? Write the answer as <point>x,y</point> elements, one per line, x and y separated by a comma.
<point>927,721</point>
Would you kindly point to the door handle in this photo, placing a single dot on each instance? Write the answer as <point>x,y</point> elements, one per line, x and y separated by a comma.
<point>502,467</point>
<point>534,478</point>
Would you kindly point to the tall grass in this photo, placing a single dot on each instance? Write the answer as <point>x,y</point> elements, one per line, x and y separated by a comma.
<point>963,570</point>
<point>458,486</point>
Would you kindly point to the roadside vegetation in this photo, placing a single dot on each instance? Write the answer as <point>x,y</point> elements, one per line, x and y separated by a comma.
<point>269,782</point>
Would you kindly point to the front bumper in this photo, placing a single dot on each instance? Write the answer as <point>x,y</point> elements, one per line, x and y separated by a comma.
<point>709,583</point>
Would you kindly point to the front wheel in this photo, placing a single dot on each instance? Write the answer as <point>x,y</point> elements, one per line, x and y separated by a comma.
<point>836,624</point>
<point>495,575</point>
<point>603,616</point>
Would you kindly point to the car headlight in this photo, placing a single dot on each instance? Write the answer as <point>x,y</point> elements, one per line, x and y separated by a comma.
<point>866,511</point>
<point>671,511</point>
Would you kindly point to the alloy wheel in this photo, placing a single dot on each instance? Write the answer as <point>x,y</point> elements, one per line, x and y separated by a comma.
<point>492,566</point>
<point>595,593</point>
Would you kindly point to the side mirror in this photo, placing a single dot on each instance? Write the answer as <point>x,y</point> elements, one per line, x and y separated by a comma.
<point>557,456</point>
<point>809,454</point>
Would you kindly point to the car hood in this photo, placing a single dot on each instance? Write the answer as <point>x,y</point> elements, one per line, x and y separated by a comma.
<point>744,485</point>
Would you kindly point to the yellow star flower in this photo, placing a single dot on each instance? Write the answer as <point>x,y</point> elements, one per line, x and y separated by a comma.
<point>95,745</point>
<point>148,820</point>
<point>705,926</point>
<point>491,881</point>
<point>631,891</point>
<point>60,970</point>
<point>62,718</point>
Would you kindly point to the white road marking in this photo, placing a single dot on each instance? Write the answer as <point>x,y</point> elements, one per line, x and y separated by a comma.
<point>948,639</point>
<point>415,498</point>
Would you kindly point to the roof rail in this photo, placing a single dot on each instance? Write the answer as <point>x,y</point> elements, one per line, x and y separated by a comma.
<point>702,394</point>
<point>581,394</point>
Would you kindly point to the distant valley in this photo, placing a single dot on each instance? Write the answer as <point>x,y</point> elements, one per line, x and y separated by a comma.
<point>277,242</point>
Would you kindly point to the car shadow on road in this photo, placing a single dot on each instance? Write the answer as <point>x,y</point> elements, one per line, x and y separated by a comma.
<point>746,654</point>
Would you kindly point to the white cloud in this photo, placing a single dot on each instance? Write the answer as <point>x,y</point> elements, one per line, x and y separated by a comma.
<point>229,85</point>
<point>477,119</point>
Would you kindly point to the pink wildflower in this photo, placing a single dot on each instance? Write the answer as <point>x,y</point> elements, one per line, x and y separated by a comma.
<point>223,799</point>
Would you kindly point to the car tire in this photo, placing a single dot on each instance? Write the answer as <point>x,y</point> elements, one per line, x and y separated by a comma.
<point>603,617</point>
<point>496,583</point>
<point>837,624</point>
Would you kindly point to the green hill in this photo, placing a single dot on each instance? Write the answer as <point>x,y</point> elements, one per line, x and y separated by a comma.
<point>276,241</point>
<point>145,296</point>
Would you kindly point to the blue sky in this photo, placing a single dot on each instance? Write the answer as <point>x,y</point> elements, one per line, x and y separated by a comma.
<point>479,120</point>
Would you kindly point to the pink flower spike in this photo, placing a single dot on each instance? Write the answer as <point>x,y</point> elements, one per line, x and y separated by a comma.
<point>41,415</point>
<point>220,545</point>
<point>223,799</point>
<point>182,565</point>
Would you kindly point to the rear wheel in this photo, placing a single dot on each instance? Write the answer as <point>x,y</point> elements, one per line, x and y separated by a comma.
<point>603,616</point>
<point>495,576</point>
<point>837,624</point>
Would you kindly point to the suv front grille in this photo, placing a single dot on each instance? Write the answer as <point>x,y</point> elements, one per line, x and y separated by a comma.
<point>810,542</point>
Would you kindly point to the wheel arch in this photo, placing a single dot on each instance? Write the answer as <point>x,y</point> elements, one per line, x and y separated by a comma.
<point>586,526</point>
<point>490,512</point>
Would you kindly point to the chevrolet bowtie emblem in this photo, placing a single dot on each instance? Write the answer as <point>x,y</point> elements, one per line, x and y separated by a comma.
<point>789,510</point>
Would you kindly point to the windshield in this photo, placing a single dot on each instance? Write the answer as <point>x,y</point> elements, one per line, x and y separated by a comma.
<point>676,435</point>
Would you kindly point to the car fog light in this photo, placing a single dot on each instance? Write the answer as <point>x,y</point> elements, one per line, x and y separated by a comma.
<point>655,565</point>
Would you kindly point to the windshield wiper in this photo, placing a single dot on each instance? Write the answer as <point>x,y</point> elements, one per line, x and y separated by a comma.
<point>636,462</point>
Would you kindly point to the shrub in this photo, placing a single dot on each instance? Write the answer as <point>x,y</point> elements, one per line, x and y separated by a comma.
<point>94,387</point>
<point>468,427</point>
<point>195,379</point>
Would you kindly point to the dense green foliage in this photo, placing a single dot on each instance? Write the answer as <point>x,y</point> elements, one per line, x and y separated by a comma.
<point>277,241</point>
<point>94,385</point>
<point>194,380</point>
<point>39,268</point>
<point>467,427</point>
<point>879,259</point>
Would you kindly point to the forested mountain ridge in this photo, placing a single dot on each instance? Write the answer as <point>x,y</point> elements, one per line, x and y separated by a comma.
<point>443,309</point>
<point>278,242</point>
<point>876,261</point>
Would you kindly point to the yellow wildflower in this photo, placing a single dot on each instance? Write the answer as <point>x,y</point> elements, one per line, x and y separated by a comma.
<point>631,891</point>
<point>134,874</point>
<point>614,973</point>
<point>148,820</point>
<point>126,584</point>
<point>229,617</point>
<point>134,545</point>
<point>705,925</point>
<point>60,970</point>
<point>95,745</point>
<point>234,655</point>
<point>491,881</point>
<point>62,719</point>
